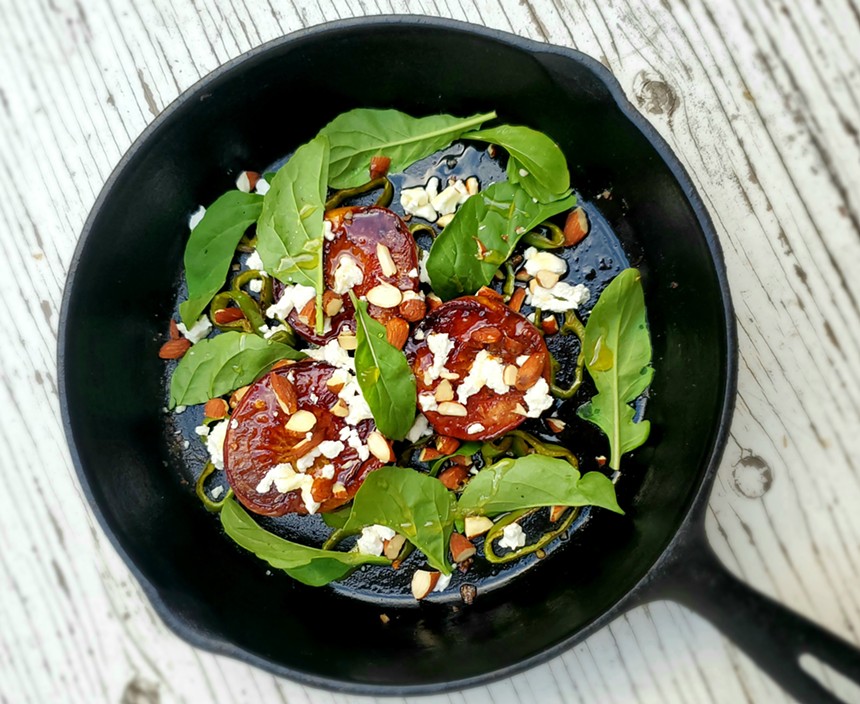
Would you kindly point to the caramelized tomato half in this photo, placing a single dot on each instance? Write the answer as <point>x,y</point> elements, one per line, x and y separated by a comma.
<point>356,233</point>
<point>258,440</point>
<point>473,324</point>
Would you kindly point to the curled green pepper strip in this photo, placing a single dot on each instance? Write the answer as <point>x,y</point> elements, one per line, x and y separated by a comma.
<point>554,241</point>
<point>220,302</point>
<point>253,319</point>
<point>546,448</point>
<point>420,227</point>
<point>384,200</point>
<point>572,324</point>
<point>544,540</point>
<point>494,448</point>
<point>209,504</point>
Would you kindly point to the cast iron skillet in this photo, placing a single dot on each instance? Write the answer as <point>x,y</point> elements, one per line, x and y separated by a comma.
<point>121,286</point>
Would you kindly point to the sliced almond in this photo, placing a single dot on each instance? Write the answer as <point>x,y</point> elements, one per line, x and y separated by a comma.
<point>413,309</point>
<point>347,340</point>
<point>549,325</point>
<point>174,330</point>
<point>384,295</point>
<point>444,391</point>
<point>338,490</point>
<point>517,298</point>
<point>285,392</point>
<point>238,395</point>
<point>472,186</point>
<point>556,425</point>
<point>447,445</point>
<point>334,384</point>
<point>281,363</point>
<point>523,275</point>
<point>487,335</point>
<point>529,372</point>
<point>451,376</point>
<point>379,447</point>
<point>454,477</point>
<point>444,220</point>
<point>397,331</point>
<point>433,301</point>
<point>332,303</point>
<point>386,262</point>
<point>461,548</point>
<point>423,583</point>
<point>340,409</point>
<point>391,548</point>
<point>428,454</point>
<point>452,408</point>
<point>520,411</point>
<point>301,422</point>
<point>174,349</point>
<point>556,512</point>
<point>488,292</point>
<point>547,279</point>
<point>476,525</point>
<point>509,376</point>
<point>215,408</point>
<point>308,314</point>
<point>575,227</point>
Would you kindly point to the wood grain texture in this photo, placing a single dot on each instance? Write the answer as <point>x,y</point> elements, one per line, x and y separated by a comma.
<point>761,101</point>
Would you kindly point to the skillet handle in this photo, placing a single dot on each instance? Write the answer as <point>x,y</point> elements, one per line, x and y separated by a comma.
<point>772,635</point>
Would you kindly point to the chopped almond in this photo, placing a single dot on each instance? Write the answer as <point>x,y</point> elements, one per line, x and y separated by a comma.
<point>487,335</point>
<point>423,583</point>
<point>509,376</point>
<point>549,325</point>
<point>461,548</point>
<point>517,298</point>
<point>237,396</point>
<point>413,309</point>
<point>575,227</point>
<point>397,332</point>
<point>444,391</point>
<point>174,330</point>
<point>433,301</point>
<point>489,293</point>
<point>225,316</point>
<point>386,262</point>
<point>334,384</point>
<point>556,425</point>
<point>308,314</point>
<point>452,408</point>
<point>285,392</point>
<point>428,454</point>
<point>391,548</point>
<point>447,445</point>
<point>379,447</point>
<point>379,166</point>
<point>281,363</point>
<point>529,372</point>
<point>476,525</point>
<point>332,303</point>
<point>556,512</point>
<point>347,340</point>
<point>454,477</point>
<point>547,279</point>
<point>340,409</point>
<point>301,422</point>
<point>174,349</point>
<point>215,408</point>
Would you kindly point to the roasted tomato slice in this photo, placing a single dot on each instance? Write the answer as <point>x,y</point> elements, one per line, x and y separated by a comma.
<point>285,421</point>
<point>375,244</point>
<point>481,368</point>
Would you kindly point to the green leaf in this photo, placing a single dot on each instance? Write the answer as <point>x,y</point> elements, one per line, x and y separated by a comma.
<point>536,162</point>
<point>337,519</point>
<point>467,449</point>
<point>290,228</point>
<point>418,507</point>
<point>384,376</point>
<point>498,217</point>
<point>216,366</point>
<point>211,247</point>
<point>617,350</point>
<point>358,135</point>
<point>311,566</point>
<point>533,481</point>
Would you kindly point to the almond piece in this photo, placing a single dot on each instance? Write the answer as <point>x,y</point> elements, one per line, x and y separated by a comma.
<point>489,293</point>
<point>238,395</point>
<point>472,185</point>
<point>174,330</point>
<point>433,302</point>
<point>452,408</point>
<point>338,490</point>
<point>347,340</point>
<point>281,363</point>
<point>379,166</point>
<point>384,295</point>
<point>340,409</point>
<point>487,335</point>
<point>575,227</point>
<point>379,447</point>
<point>247,181</point>
<point>413,309</point>
<point>547,279</point>
<point>520,411</point>
<point>556,512</point>
<point>461,460</point>
<point>556,425</point>
<point>523,275</point>
<point>174,349</point>
<point>334,384</point>
<point>529,372</point>
<point>549,325</point>
<point>444,392</point>
<point>444,220</point>
<point>216,408</point>
<point>450,376</point>
<point>509,376</point>
<point>332,303</point>
<point>396,331</point>
<point>428,454</point>
<point>454,477</point>
<point>386,263</point>
<point>423,583</point>
<point>447,445</point>
<point>301,422</point>
<point>476,525</point>
<point>285,392</point>
<point>308,314</point>
<point>225,316</point>
<point>517,298</point>
<point>391,548</point>
<point>461,548</point>
<point>601,460</point>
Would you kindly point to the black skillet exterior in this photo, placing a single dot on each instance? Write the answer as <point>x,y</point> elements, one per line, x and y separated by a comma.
<point>117,300</point>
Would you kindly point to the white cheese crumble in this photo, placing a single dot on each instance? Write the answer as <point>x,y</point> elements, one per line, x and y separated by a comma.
<point>286,479</point>
<point>294,297</point>
<point>327,471</point>
<point>427,401</point>
<point>269,331</point>
<point>441,345</point>
<point>559,298</point>
<point>523,173</point>
<point>354,441</point>
<point>347,274</point>
<point>538,398</point>
<point>334,354</point>
<point>217,491</point>
<point>423,276</point>
<point>486,371</point>
<point>416,201</point>
<point>262,186</point>
<point>255,261</point>
<point>543,261</point>
<point>512,537</point>
<point>202,430</point>
<point>198,331</point>
<point>328,232</point>
<point>256,285</point>
<point>447,201</point>
<point>475,428</point>
<point>331,448</point>
<point>180,409</point>
<point>442,583</point>
<point>195,217</point>
<point>371,539</point>
<point>420,428</point>
<point>215,443</point>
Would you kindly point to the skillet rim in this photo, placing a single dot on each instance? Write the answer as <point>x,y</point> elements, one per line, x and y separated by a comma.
<point>690,523</point>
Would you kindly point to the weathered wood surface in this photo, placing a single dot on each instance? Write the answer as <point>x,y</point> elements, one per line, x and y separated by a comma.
<point>761,101</point>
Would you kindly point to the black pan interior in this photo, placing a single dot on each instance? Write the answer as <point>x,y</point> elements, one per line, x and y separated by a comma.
<point>123,286</point>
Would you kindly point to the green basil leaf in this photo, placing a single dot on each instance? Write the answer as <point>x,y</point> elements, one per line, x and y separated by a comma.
<point>483,235</point>
<point>384,376</point>
<point>617,350</point>
<point>533,481</point>
<point>216,366</point>
<point>290,228</point>
<point>211,247</point>
<point>358,135</point>
<point>337,519</point>
<point>311,566</point>
<point>467,448</point>
<point>536,162</point>
<point>418,507</point>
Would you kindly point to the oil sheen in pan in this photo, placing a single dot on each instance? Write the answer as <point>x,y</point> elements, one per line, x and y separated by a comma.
<point>594,262</point>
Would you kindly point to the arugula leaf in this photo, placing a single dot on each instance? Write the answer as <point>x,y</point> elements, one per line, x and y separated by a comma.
<point>483,235</point>
<point>360,134</point>
<point>290,228</point>
<point>532,481</point>
<point>311,566</point>
<point>536,162</point>
<point>211,247</point>
<point>384,375</point>
<point>418,507</point>
<point>617,350</point>
<point>216,366</point>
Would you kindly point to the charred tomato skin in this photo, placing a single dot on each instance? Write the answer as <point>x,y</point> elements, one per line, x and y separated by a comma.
<point>356,233</point>
<point>471,322</point>
<point>257,440</point>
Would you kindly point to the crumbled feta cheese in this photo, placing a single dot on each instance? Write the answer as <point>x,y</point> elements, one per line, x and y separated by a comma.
<point>262,186</point>
<point>256,285</point>
<point>423,276</point>
<point>413,273</point>
<point>327,472</point>
<point>356,403</point>
<point>198,331</point>
<point>215,443</point>
<point>177,411</point>
<point>475,428</point>
<point>523,173</point>
<point>354,441</point>
<point>559,298</point>
<point>234,424</point>
<point>416,201</point>
<point>217,491</point>
<point>195,217</point>
<point>294,297</point>
<point>334,354</point>
<point>306,461</point>
<point>538,398</point>
<point>202,430</point>
<point>537,260</point>
<point>286,479</point>
<point>328,232</point>
<point>418,334</point>
<point>347,274</point>
<point>447,201</point>
<point>432,187</point>
<point>427,401</point>
<point>269,331</point>
<point>420,428</point>
<point>442,583</point>
<point>512,537</point>
<point>486,370</point>
<point>255,261</point>
<point>371,539</point>
<point>441,345</point>
<point>331,448</point>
